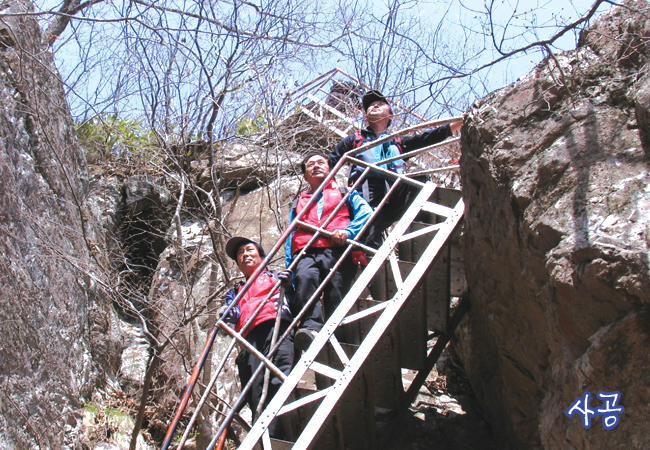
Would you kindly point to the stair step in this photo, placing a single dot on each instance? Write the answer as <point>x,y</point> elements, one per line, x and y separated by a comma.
<point>278,444</point>
<point>308,381</point>
<point>385,367</point>
<point>355,412</point>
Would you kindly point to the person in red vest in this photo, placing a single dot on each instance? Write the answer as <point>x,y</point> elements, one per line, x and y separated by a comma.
<point>248,254</point>
<point>378,116</point>
<point>323,254</point>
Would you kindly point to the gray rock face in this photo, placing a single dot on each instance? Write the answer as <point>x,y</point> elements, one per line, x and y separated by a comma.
<point>57,328</point>
<point>263,213</point>
<point>555,180</point>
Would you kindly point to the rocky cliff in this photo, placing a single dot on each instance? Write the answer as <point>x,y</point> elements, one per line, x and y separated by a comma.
<point>555,179</point>
<point>58,339</point>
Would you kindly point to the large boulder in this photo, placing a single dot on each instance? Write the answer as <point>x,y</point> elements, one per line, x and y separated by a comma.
<point>263,213</point>
<point>58,332</point>
<point>555,179</point>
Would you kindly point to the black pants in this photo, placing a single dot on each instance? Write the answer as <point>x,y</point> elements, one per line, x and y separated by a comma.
<point>391,212</point>
<point>310,271</point>
<point>260,337</point>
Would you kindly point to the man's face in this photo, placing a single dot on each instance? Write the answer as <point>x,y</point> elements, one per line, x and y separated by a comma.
<point>378,110</point>
<point>316,170</point>
<point>248,259</point>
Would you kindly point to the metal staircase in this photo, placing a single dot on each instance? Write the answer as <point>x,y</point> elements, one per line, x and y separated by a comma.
<point>366,385</point>
<point>399,315</point>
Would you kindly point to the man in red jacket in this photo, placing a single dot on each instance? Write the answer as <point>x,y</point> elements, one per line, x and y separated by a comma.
<point>324,252</point>
<point>259,332</point>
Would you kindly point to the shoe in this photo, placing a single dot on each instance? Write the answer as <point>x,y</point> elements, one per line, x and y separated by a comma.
<point>303,338</point>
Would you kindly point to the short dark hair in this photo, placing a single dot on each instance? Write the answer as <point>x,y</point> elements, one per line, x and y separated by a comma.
<point>233,244</point>
<point>303,164</point>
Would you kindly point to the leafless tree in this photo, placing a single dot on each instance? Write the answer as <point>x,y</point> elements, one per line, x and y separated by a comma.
<point>438,65</point>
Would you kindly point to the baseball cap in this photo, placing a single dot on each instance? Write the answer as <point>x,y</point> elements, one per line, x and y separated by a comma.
<point>372,96</point>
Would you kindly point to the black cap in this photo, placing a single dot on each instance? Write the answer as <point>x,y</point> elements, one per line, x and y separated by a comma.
<point>235,242</point>
<point>303,164</point>
<point>372,96</point>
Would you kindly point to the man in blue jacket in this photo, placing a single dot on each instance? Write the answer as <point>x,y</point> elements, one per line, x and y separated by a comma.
<point>378,116</point>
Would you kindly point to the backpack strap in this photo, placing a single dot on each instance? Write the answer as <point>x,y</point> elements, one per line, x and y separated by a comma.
<point>398,142</point>
<point>344,190</point>
<point>358,139</point>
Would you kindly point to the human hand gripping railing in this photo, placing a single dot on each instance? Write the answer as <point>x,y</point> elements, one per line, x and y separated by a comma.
<point>329,235</point>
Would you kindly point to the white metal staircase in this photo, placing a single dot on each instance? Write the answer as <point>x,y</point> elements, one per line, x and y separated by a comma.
<point>397,315</point>
<point>341,416</point>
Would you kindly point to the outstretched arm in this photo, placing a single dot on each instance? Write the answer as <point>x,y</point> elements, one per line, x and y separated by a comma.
<point>427,138</point>
<point>344,146</point>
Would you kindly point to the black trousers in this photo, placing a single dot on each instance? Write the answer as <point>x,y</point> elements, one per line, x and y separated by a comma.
<point>391,212</point>
<point>310,271</point>
<point>260,337</point>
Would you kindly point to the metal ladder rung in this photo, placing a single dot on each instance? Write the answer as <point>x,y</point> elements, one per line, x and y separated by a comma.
<point>266,440</point>
<point>330,109</point>
<point>365,313</point>
<point>317,395</point>
<point>394,266</point>
<point>339,351</point>
<point>420,232</point>
<point>320,120</point>
<point>325,370</point>
<point>438,209</point>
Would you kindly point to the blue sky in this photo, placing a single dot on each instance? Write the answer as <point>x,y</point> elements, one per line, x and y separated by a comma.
<point>515,24</point>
